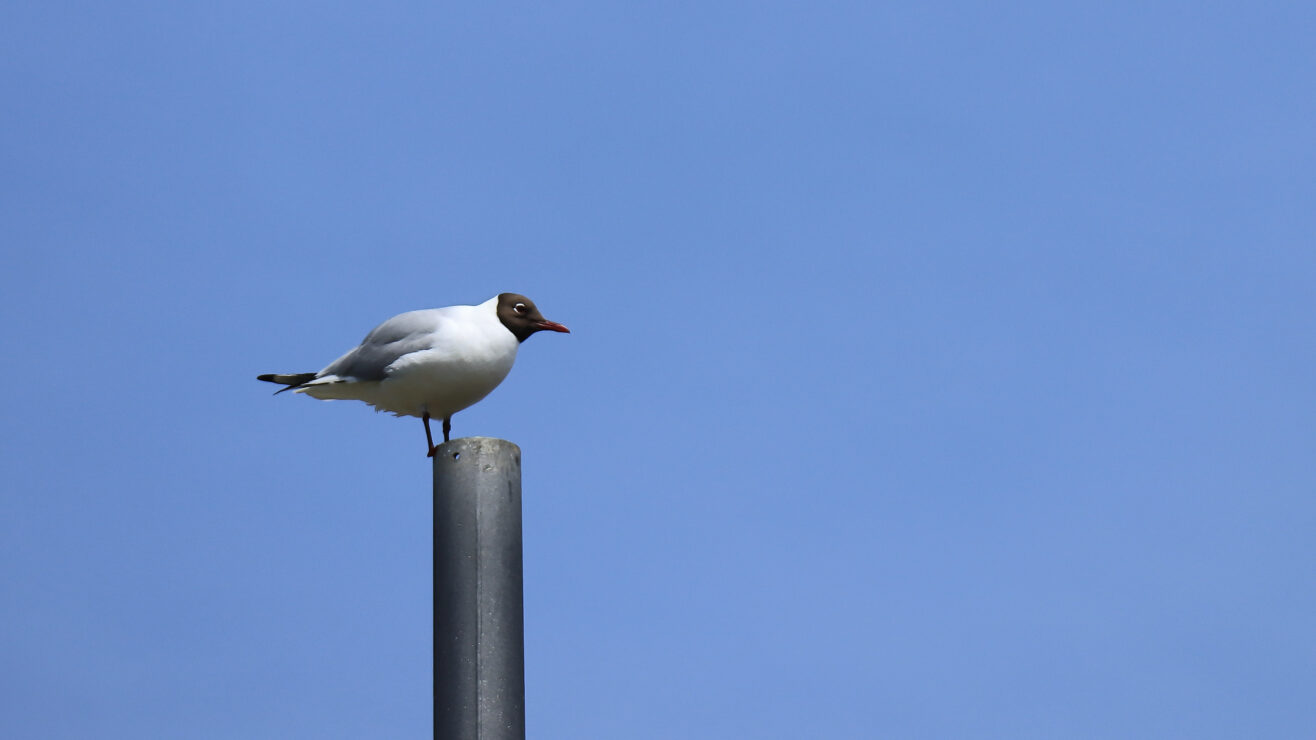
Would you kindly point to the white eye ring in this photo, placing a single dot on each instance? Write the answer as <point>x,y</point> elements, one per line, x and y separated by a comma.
<point>519,308</point>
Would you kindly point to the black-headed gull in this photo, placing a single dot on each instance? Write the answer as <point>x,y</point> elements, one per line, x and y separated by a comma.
<point>430,363</point>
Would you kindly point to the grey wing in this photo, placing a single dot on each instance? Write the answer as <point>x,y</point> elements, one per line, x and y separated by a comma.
<point>399,336</point>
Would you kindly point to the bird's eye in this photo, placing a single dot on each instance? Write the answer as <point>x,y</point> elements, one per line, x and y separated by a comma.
<point>520,308</point>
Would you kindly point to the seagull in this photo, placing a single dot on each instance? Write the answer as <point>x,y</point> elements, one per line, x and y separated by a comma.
<point>429,363</point>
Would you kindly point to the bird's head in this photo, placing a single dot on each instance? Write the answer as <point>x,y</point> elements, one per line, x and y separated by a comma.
<point>522,318</point>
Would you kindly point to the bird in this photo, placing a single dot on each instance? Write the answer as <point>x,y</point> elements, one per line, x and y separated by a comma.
<point>430,363</point>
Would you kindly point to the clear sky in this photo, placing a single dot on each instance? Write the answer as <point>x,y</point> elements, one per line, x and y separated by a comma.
<point>938,370</point>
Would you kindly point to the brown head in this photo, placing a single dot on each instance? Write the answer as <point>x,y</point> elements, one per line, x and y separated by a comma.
<point>522,318</point>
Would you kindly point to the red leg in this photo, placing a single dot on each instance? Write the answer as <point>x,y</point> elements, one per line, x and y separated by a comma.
<point>425,417</point>
<point>447,427</point>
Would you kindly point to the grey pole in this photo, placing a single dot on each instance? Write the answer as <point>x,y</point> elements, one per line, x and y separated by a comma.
<point>479,636</point>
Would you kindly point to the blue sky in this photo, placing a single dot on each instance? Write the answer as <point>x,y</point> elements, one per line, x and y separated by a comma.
<point>938,370</point>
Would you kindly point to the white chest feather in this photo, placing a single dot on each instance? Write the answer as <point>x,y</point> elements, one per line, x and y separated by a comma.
<point>466,362</point>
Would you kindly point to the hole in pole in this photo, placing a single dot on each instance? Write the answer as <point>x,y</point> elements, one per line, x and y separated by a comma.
<point>456,455</point>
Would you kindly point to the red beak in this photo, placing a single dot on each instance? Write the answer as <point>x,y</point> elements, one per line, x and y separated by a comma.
<point>552,326</point>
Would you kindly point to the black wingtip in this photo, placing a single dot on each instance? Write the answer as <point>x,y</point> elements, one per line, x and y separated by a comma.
<point>293,381</point>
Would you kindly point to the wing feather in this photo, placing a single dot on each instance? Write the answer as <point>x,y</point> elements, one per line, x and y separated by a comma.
<point>385,344</point>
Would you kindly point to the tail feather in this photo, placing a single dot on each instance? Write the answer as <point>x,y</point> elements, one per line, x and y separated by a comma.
<point>294,380</point>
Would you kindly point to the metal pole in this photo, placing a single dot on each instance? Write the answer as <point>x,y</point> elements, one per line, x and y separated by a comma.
<point>479,635</point>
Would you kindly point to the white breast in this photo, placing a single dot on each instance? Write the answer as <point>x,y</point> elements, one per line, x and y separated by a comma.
<point>472,353</point>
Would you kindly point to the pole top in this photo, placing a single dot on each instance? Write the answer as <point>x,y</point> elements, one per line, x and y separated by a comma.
<point>483,448</point>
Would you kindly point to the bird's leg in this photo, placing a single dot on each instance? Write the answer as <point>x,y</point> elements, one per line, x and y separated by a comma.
<point>425,417</point>
<point>447,427</point>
